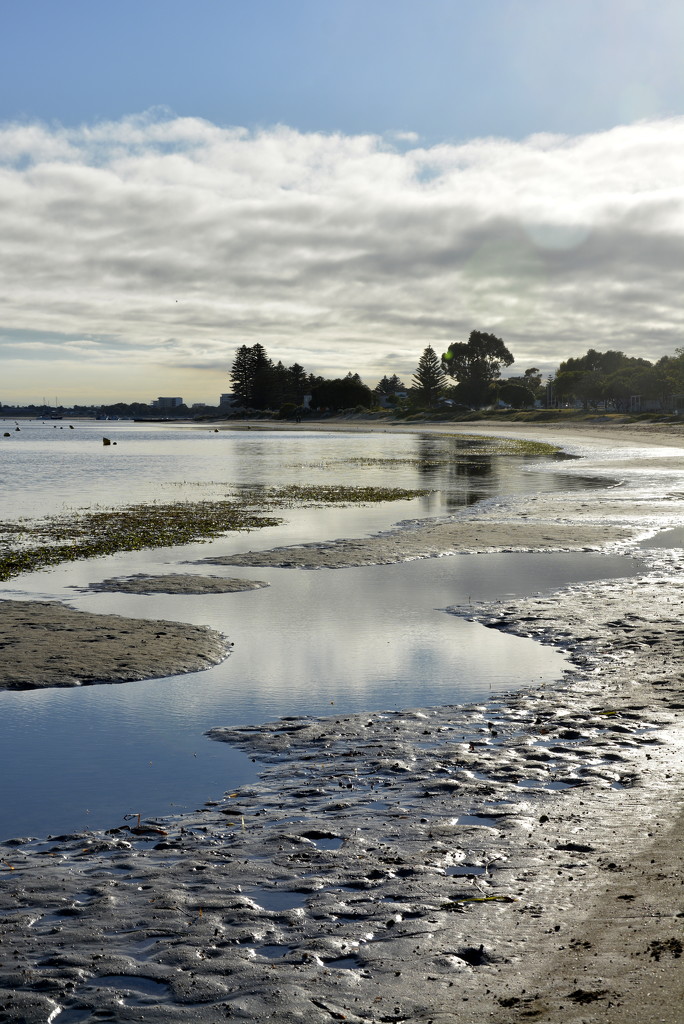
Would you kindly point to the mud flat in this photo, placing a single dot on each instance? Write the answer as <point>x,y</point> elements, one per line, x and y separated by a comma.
<point>516,860</point>
<point>510,861</point>
<point>645,496</point>
<point>174,583</point>
<point>45,643</point>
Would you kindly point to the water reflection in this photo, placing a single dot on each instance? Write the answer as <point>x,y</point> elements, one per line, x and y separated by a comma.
<point>313,643</point>
<point>47,471</point>
<point>365,638</point>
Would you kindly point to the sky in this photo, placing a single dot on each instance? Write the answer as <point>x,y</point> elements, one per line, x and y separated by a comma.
<point>344,181</point>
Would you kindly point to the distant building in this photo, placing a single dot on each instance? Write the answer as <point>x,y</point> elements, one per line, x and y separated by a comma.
<point>166,403</point>
<point>227,399</point>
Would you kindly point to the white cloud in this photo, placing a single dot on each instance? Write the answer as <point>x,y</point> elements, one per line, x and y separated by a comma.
<point>177,240</point>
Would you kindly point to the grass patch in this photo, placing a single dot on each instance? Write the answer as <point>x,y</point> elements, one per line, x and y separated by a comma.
<point>480,445</point>
<point>468,446</point>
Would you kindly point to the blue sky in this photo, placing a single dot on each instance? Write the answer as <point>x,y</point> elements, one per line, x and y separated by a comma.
<point>344,181</point>
<point>447,69</point>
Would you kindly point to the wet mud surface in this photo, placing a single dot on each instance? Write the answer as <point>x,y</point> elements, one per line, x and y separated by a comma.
<point>509,861</point>
<point>569,521</point>
<point>45,643</point>
<point>516,860</point>
<point>175,583</point>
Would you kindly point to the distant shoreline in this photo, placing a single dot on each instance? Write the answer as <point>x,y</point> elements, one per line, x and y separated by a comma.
<point>586,428</point>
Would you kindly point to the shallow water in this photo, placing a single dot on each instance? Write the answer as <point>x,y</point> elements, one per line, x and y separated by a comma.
<point>316,643</point>
<point>665,539</point>
<point>47,468</point>
<point>325,642</point>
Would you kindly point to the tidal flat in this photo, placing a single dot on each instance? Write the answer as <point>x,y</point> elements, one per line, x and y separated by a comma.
<point>515,859</point>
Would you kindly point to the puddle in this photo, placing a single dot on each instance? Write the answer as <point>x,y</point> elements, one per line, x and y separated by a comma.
<point>329,844</point>
<point>277,899</point>
<point>478,819</point>
<point>142,949</point>
<point>323,840</point>
<point>272,950</point>
<point>139,991</point>
<point>665,539</point>
<point>72,1016</point>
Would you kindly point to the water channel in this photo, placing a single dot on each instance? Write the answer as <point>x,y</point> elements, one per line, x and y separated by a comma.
<point>324,642</point>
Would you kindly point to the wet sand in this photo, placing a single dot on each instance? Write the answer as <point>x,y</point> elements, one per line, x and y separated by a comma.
<point>45,643</point>
<point>174,583</point>
<point>511,861</point>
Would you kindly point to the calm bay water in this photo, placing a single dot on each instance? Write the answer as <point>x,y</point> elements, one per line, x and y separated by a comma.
<point>323,642</point>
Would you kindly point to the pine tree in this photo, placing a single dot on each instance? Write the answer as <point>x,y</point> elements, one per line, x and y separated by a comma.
<point>242,374</point>
<point>298,383</point>
<point>252,376</point>
<point>390,385</point>
<point>429,380</point>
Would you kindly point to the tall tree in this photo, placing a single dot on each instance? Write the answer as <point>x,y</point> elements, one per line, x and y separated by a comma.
<point>252,377</point>
<point>298,383</point>
<point>265,387</point>
<point>476,364</point>
<point>429,380</point>
<point>241,374</point>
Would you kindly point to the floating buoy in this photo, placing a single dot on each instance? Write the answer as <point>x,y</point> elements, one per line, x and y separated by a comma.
<point>17,428</point>
<point>71,427</point>
<point>105,440</point>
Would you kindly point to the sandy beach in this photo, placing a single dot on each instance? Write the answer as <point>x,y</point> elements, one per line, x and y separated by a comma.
<point>511,861</point>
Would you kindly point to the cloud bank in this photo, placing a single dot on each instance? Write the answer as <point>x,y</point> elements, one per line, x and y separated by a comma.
<point>157,244</point>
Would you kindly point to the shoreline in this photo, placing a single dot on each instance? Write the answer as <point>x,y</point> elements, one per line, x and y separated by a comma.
<point>656,433</point>
<point>572,910</point>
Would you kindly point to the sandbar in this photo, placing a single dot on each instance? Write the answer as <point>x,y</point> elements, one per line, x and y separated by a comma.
<point>174,583</point>
<point>45,643</point>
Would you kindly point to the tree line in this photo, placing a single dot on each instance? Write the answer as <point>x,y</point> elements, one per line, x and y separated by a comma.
<point>259,383</point>
<point>466,375</point>
<point>615,380</point>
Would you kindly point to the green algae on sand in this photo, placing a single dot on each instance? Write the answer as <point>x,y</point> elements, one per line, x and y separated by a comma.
<point>28,546</point>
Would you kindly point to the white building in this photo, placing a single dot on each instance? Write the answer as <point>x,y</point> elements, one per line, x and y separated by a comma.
<point>166,403</point>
